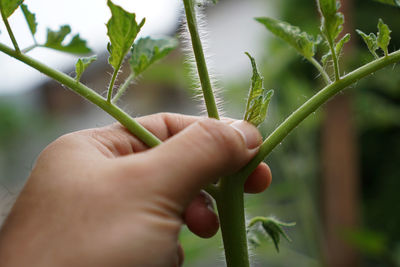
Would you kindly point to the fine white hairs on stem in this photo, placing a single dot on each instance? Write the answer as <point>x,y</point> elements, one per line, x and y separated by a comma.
<point>191,62</point>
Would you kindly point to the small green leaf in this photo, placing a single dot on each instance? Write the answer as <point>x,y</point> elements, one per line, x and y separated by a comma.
<point>301,41</point>
<point>370,40</point>
<point>146,51</point>
<point>9,6</point>
<point>273,228</point>
<point>30,18</point>
<point>341,42</point>
<point>331,20</point>
<point>75,46</point>
<point>390,2</point>
<point>259,97</point>
<point>82,64</point>
<point>338,49</point>
<point>122,30</point>
<point>383,38</point>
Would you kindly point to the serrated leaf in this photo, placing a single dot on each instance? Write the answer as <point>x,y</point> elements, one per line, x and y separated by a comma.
<point>258,99</point>
<point>383,38</point>
<point>146,51</point>
<point>370,41</point>
<point>9,6</point>
<point>341,42</point>
<point>390,2</point>
<point>301,41</point>
<point>30,18</point>
<point>338,49</point>
<point>82,64</point>
<point>122,30</point>
<point>55,41</point>
<point>273,227</point>
<point>331,20</point>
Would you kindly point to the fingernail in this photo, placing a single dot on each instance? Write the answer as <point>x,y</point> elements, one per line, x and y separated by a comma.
<point>250,134</point>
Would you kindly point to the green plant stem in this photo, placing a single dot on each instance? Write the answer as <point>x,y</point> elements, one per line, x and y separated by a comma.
<point>230,194</point>
<point>320,69</point>
<point>335,60</point>
<point>200,60</point>
<point>123,87</point>
<point>112,82</point>
<point>10,33</point>
<point>230,204</point>
<point>126,120</point>
<point>276,137</point>
<point>30,48</point>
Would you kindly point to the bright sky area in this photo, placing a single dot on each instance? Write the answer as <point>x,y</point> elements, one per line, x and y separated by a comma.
<point>86,17</point>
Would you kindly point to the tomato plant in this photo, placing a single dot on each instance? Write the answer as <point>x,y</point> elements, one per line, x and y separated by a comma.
<point>122,30</point>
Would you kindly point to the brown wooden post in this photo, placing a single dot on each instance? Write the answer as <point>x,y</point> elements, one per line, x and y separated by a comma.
<point>340,184</point>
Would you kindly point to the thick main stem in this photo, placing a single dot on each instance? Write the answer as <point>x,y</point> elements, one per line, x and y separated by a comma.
<point>79,88</point>
<point>230,206</point>
<point>200,60</point>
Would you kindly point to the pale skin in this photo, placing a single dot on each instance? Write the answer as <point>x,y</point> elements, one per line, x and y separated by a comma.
<point>100,197</point>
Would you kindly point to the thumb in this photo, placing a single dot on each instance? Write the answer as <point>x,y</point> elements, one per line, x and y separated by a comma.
<point>200,154</point>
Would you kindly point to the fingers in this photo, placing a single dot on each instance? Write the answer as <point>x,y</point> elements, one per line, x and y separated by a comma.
<point>199,154</point>
<point>200,217</point>
<point>259,180</point>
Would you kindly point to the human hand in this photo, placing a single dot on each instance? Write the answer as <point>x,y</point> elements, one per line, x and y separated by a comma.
<point>100,197</point>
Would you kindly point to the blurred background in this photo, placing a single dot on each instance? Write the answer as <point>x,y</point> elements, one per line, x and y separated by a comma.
<point>336,175</point>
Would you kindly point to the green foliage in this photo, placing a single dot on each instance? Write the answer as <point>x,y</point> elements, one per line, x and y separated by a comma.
<point>331,20</point>
<point>122,30</point>
<point>390,2</point>
<point>368,242</point>
<point>75,46</point>
<point>146,51</point>
<point>82,64</point>
<point>301,41</point>
<point>338,48</point>
<point>383,38</point>
<point>258,99</point>
<point>341,42</point>
<point>30,18</point>
<point>370,41</point>
<point>272,227</point>
<point>9,6</point>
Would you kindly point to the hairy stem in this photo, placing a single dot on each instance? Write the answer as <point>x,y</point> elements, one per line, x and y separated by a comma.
<point>335,60</point>
<point>311,105</point>
<point>123,87</point>
<point>200,60</point>
<point>320,69</point>
<point>10,33</point>
<point>112,82</point>
<point>230,206</point>
<point>79,88</point>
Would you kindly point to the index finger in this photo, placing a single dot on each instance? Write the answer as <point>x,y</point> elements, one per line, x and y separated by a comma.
<point>162,125</point>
